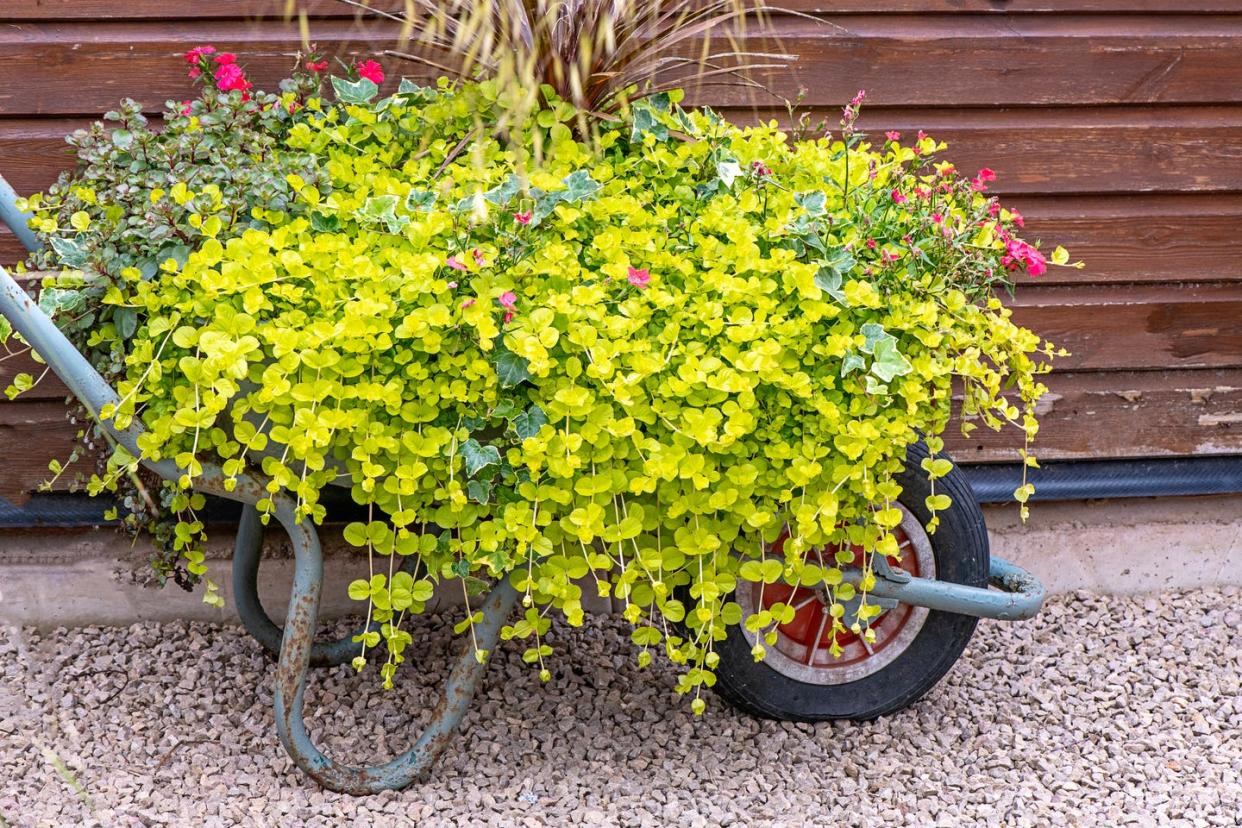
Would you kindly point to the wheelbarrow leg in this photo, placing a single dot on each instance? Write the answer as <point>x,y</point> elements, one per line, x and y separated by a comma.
<point>295,653</point>
<point>246,556</point>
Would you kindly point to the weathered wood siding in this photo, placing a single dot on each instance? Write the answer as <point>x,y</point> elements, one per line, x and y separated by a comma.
<point>1114,125</point>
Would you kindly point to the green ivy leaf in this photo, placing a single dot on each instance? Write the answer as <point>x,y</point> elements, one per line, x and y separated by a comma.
<point>511,369</point>
<point>480,491</point>
<point>727,171</point>
<point>360,91</point>
<point>503,193</point>
<point>889,361</point>
<point>478,457</point>
<point>420,201</point>
<point>579,186</point>
<point>528,423</point>
<point>68,252</point>
<point>851,363</point>
<point>813,202</point>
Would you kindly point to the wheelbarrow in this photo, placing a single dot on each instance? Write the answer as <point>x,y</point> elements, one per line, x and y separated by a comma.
<point>931,600</point>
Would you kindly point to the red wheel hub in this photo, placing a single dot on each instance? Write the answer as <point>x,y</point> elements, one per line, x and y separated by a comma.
<point>803,646</point>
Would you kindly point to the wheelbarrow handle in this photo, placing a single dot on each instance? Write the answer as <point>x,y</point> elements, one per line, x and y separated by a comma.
<point>1020,597</point>
<point>16,220</point>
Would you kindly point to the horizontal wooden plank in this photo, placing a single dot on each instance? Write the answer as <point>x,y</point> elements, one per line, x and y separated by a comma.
<point>972,60</point>
<point>1005,7</point>
<point>73,68</point>
<point>994,60</point>
<point>32,433</point>
<point>25,10</point>
<point>1070,150</point>
<point>1167,239</point>
<point>1137,327</point>
<point>1117,415</point>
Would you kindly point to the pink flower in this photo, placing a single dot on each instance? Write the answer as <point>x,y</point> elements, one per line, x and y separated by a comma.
<point>893,135</point>
<point>987,174</point>
<point>871,244</point>
<point>858,99</point>
<point>372,71</point>
<point>1018,252</point>
<point>225,57</point>
<point>293,107</point>
<point>186,108</point>
<point>1017,218</point>
<point>192,57</point>
<point>452,285</point>
<point>469,303</point>
<point>508,317</point>
<point>637,277</point>
<point>522,218</point>
<point>994,209</point>
<point>922,135</point>
<point>887,257</point>
<point>899,197</point>
<point>230,77</point>
<point>508,300</point>
<point>478,257</point>
<point>760,169</point>
<point>316,66</point>
<point>937,218</point>
<point>455,263</point>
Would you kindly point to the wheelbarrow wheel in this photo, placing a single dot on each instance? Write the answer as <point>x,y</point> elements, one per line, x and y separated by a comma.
<point>800,680</point>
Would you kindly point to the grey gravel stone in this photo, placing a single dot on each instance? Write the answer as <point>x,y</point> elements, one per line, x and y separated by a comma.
<point>1103,711</point>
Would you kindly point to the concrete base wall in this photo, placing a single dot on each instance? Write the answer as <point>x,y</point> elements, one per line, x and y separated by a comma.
<point>70,578</point>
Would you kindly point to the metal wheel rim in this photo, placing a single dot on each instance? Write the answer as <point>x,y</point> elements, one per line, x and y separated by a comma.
<point>789,657</point>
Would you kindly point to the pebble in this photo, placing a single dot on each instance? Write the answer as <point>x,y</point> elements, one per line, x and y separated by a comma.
<point>1105,710</point>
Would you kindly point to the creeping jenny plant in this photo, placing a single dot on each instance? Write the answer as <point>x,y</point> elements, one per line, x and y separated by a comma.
<point>623,363</point>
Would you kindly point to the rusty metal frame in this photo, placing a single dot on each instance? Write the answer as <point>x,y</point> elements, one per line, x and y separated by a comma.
<point>297,642</point>
<point>247,555</point>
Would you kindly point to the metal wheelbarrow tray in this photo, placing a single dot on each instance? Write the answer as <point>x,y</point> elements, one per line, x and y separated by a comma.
<point>1021,595</point>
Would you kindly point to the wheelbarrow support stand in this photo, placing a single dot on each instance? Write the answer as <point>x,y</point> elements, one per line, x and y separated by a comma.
<point>297,642</point>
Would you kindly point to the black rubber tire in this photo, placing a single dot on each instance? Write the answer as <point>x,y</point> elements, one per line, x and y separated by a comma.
<point>960,545</point>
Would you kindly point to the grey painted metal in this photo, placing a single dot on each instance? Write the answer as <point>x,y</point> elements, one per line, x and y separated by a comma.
<point>1021,594</point>
<point>295,651</point>
<point>247,555</point>
<point>15,219</point>
<point>415,763</point>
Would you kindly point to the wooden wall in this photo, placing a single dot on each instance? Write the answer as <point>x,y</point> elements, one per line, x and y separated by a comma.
<point>1114,125</point>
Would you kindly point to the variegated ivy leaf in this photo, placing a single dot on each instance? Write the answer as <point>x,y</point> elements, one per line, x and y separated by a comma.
<point>360,91</point>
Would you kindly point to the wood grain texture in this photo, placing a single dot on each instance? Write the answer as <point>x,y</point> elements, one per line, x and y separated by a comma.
<point>1009,60</point>
<point>86,67</point>
<point>1118,415</point>
<point>902,60</point>
<point>26,10</point>
<point>33,432</point>
<point>1137,327</point>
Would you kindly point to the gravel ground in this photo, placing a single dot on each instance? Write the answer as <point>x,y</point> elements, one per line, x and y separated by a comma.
<point>1102,712</point>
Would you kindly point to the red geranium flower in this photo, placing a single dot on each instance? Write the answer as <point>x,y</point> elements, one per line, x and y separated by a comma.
<point>372,71</point>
